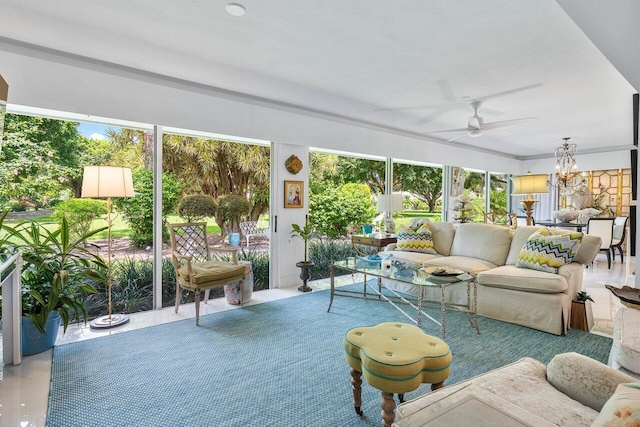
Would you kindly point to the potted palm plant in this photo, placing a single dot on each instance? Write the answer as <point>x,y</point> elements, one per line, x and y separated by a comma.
<point>57,275</point>
<point>305,234</point>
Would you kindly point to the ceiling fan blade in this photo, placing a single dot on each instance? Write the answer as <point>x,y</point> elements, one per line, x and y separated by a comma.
<point>461,135</point>
<point>494,125</point>
<point>449,130</point>
<point>508,92</point>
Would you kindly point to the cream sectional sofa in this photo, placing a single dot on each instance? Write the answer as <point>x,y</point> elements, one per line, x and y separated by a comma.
<point>522,296</point>
<point>571,391</point>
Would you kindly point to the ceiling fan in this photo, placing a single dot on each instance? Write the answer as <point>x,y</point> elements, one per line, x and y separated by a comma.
<point>476,125</point>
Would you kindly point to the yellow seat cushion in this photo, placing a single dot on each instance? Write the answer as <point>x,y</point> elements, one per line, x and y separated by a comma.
<point>397,357</point>
<point>211,271</point>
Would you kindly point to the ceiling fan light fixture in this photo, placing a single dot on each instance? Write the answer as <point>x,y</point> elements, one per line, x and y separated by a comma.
<point>475,132</point>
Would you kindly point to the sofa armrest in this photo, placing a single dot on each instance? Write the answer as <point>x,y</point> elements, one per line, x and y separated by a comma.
<point>584,379</point>
<point>391,247</point>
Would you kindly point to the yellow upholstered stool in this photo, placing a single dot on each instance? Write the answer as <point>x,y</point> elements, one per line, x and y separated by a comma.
<point>394,358</point>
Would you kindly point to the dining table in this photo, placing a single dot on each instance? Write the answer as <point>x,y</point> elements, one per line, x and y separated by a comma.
<point>577,225</point>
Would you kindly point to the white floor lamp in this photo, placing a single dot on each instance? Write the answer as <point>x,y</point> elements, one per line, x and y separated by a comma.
<point>101,182</point>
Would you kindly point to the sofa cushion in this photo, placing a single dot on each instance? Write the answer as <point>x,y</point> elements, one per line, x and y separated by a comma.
<point>443,234</point>
<point>414,257</point>
<point>420,240</point>
<point>520,279</point>
<point>586,253</point>
<point>625,351</point>
<point>472,266</point>
<point>546,252</point>
<point>622,409</point>
<point>488,242</point>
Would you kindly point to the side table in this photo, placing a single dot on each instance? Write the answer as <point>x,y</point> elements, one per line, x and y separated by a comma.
<point>376,240</point>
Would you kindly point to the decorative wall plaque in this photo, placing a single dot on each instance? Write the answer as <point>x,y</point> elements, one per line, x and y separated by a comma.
<point>293,164</point>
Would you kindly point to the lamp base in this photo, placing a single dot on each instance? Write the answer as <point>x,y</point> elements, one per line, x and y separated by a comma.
<point>528,203</point>
<point>106,322</point>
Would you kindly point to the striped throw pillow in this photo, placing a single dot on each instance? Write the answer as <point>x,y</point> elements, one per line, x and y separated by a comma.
<point>544,251</point>
<point>420,240</point>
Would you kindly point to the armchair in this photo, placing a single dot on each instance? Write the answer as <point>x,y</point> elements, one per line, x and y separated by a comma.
<point>196,270</point>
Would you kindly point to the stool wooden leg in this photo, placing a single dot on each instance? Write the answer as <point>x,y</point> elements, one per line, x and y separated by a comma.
<point>356,383</point>
<point>388,406</point>
<point>436,386</point>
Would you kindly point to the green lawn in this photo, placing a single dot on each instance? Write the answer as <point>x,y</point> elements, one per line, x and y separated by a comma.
<point>403,217</point>
<point>120,227</point>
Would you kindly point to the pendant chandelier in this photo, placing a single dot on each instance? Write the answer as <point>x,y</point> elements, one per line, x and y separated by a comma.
<point>567,178</point>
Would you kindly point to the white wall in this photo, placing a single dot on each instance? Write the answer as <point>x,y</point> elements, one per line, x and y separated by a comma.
<point>286,252</point>
<point>585,162</point>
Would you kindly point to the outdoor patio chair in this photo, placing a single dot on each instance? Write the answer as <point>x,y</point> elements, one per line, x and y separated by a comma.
<point>250,229</point>
<point>196,270</point>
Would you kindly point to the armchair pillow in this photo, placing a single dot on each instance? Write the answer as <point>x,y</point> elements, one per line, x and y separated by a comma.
<point>544,251</point>
<point>420,240</point>
<point>622,409</point>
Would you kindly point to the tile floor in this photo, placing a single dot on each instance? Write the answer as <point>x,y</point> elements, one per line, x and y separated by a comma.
<point>24,388</point>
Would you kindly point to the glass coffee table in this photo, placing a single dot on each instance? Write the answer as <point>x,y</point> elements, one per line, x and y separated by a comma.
<point>410,273</point>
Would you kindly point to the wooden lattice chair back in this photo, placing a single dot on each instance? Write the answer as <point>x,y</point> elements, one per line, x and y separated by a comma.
<point>191,239</point>
<point>509,219</point>
<point>196,269</point>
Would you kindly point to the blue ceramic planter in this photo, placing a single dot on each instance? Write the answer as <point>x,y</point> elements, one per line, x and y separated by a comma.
<point>33,341</point>
<point>234,239</point>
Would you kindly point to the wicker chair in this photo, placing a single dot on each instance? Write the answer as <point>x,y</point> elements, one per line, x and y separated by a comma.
<point>196,270</point>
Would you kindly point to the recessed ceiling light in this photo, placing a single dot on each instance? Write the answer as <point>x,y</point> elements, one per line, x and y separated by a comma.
<point>236,9</point>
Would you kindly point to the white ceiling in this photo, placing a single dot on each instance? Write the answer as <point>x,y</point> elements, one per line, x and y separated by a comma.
<point>401,65</point>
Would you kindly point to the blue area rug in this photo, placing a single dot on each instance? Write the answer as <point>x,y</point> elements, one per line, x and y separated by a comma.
<point>274,364</point>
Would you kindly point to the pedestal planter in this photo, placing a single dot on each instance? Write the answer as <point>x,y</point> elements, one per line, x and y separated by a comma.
<point>581,315</point>
<point>305,274</point>
<point>34,341</point>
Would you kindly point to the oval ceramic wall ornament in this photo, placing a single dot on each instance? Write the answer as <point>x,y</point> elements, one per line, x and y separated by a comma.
<point>293,164</point>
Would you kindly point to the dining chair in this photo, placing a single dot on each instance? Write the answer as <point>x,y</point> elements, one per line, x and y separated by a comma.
<point>603,228</point>
<point>501,218</point>
<point>196,269</point>
<point>619,234</point>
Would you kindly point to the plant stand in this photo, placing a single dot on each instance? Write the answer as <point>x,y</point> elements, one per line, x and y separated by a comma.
<point>581,315</point>
<point>305,275</point>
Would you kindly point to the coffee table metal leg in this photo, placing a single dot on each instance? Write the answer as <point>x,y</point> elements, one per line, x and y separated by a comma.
<point>443,310</point>
<point>420,298</point>
<point>332,275</point>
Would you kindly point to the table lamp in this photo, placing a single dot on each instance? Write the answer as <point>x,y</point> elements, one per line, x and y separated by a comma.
<point>528,185</point>
<point>389,203</point>
<point>101,182</point>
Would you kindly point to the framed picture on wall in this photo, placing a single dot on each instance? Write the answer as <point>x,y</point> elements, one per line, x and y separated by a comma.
<point>293,194</point>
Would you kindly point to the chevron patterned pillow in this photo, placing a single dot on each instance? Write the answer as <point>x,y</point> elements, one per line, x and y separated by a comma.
<point>547,252</point>
<point>420,240</point>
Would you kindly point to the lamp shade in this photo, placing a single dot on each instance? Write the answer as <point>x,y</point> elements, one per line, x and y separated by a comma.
<point>107,181</point>
<point>530,184</point>
<point>390,202</point>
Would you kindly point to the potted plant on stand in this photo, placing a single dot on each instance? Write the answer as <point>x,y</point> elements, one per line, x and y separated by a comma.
<point>582,312</point>
<point>57,275</point>
<point>305,234</point>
